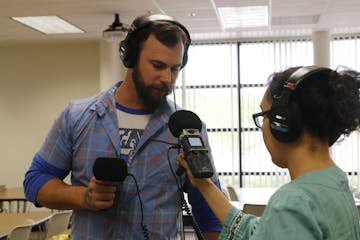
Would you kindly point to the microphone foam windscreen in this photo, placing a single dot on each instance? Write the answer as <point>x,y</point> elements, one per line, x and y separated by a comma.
<point>110,169</point>
<point>183,119</point>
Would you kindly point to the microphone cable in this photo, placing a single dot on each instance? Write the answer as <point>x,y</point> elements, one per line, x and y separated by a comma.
<point>196,227</point>
<point>145,231</point>
<point>184,205</point>
<point>174,98</point>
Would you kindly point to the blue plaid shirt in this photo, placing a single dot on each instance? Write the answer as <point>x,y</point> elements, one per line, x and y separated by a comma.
<point>88,129</point>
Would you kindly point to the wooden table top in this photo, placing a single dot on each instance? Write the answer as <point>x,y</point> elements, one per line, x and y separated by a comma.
<point>15,193</point>
<point>9,220</point>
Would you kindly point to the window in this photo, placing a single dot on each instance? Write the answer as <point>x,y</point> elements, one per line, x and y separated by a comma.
<point>209,87</point>
<point>217,80</point>
<point>224,83</point>
<point>258,60</point>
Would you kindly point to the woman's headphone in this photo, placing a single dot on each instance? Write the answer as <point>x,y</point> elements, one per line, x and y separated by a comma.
<point>129,47</point>
<point>285,116</point>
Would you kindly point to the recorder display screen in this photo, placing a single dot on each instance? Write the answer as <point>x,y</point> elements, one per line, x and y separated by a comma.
<point>195,142</point>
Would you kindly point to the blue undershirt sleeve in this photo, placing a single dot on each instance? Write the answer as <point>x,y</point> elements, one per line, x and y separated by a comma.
<point>203,215</point>
<point>38,174</point>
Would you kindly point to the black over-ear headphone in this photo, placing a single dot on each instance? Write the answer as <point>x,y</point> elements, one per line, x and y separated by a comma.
<point>129,47</point>
<point>285,115</point>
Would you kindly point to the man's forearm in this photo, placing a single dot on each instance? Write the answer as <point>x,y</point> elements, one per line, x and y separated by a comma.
<point>56,194</point>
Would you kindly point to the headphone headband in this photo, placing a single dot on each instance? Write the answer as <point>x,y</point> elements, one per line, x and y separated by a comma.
<point>302,73</point>
<point>143,21</point>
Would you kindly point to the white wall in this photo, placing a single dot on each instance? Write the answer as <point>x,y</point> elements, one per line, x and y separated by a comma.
<point>37,80</point>
<point>111,68</point>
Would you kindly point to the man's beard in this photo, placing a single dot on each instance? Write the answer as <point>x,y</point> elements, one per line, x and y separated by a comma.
<point>145,92</point>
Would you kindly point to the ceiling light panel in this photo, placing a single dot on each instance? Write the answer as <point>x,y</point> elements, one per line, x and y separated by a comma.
<point>244,17</point>
<point>48,24</point>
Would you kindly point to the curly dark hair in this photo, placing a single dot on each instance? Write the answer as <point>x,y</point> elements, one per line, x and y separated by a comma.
<point>329,100</point>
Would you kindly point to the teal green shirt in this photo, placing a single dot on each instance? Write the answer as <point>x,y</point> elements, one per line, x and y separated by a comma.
<point>317,205</point>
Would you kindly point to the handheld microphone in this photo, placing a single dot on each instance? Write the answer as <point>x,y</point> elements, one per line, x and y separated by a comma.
<point>110,169</point>
<point>186,125</point>
<point>116,170</point>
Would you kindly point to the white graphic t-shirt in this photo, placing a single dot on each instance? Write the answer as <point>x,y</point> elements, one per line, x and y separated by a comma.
<point>132,123</point>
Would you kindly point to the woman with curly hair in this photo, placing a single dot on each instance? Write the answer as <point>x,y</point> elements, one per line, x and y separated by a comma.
<point>303,112</point>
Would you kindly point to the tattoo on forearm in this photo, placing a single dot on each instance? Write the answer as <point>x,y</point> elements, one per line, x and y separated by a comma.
<point>87,197</point>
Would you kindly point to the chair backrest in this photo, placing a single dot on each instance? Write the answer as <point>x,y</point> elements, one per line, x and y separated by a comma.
<point>58,223</point>
<point>254,209</point>
<point>232,193</point>
<point>21,232</point>
<point>226,193</point>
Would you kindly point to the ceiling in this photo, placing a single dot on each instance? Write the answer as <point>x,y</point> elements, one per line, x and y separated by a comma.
<point>287,17</point>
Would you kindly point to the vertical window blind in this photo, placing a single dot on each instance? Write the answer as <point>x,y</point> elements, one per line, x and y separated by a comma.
<point>258,60</point>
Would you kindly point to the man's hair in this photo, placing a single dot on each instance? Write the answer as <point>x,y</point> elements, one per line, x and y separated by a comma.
<point>166,32</point>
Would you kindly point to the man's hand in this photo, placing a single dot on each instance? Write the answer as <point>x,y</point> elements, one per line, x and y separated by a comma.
<point>99,194</point>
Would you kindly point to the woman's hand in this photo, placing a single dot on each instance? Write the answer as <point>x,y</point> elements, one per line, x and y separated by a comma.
<point>182,162</point>
<point>213,196</point>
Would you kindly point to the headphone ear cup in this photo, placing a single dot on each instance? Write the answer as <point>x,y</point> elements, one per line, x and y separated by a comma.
<point>123,50</point>
<point>286,122</point>
<point>128,52</point>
